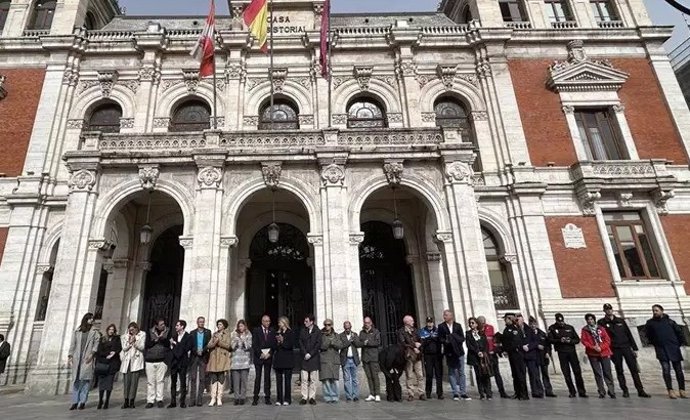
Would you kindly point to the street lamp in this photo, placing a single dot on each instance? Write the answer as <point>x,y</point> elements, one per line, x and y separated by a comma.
<point>398,229</point>
<point>146,231</point>
<point>273,228</point>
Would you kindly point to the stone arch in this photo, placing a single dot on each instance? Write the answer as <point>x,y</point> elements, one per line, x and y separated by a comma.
<point>292,90</point>
<point>386,94</point>
<point>173,97</point>
<point>51,237</point>
<point>385,215</point>
<point>264,220</point>
<point>93,96</point>
<point>462,90</point>
<point>117,197</point>
<point>493,223</point>
<point>236,200</point>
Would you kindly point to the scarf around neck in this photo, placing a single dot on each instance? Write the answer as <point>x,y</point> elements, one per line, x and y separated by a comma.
<point>594,330</point>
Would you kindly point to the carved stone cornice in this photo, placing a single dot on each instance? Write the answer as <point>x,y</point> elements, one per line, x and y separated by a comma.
<point>333,175</point>
<point>587,199</point>
<point>82,180</point>
<point>393,171</point>
<point>186,242</point>
<point>356,238</point>
<point>271,172</point>
<point>661,197</point>
<point>459,173</point>
<point>148,176</point>
<point>363,76</point>
<point>581,73</point>
<point>228,241</point>
<point>210,177</point>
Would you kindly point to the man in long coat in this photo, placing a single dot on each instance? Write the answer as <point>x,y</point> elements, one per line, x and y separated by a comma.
<point>310,349</point>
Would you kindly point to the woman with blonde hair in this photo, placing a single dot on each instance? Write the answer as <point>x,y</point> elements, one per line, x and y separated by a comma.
<point>241,344</point>
<point>284,361</point>
<point>219,361</point>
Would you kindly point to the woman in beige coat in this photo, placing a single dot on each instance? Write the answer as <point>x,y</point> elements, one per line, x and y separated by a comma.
<point>132,356</point>
<point>82,353</point>
<point>219,361</point>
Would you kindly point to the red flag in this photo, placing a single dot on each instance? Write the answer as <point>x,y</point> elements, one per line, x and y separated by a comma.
<point>325,39</point>
<point>205,49</point>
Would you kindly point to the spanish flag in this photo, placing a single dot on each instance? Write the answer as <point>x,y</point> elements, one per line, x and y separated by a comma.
<point>256,18</point>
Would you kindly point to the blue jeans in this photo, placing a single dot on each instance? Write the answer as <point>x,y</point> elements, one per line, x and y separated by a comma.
<point>458,378</point>
<point>80,391</point>
<point>330,390</point>
<point>350,379</point>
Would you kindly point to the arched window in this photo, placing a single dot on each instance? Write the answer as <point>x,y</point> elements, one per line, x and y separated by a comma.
<point>191,115</point>
<point>452,114</point>
<point>42,18</point>
<point>366,112</point>
<point>502,285</point>
<point>90,21</point>
<point>105,118</point>
<point>4,11</point>
<point>283,116</point>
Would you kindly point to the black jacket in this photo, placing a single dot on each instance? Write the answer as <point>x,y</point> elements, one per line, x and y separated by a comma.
<point>284,356</point>
<point>476,346</point>
<point>5,350</point>
<point>543,340</point>
<point>667,337</point>
<point>105,346</point>
<point>261,341</point>
<point>157,348</point>
<point>452,342</point>
<point>514,339</point>
<point>563,337</point>
<point>353,344</point>
<point>205,351</point>
<point>310,343</point>
<point>619,332</point>
<point>431,343</point>
<point>179,353</point>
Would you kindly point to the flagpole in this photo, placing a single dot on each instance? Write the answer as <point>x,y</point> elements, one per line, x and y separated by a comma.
<point>270,70</point>
<point>330,67</point>
<point>215,90</point>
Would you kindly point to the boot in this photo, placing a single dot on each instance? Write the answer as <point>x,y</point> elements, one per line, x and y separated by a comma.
<point>682,393</point>
<point>107,400</point>
<point>100,400</point>
<point>126,404</point>
<point>131,403</point>
<point>214,389</point>
<point>672,394</point>
<point>219,393</point>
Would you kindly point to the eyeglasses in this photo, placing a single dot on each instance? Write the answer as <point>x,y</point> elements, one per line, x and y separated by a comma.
<point>328,325</point>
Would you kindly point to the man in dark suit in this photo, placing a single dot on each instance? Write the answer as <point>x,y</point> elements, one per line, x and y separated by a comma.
<point>310,350</point>
<point>5,351</point>
<point>263,345</point>
<point>178,362</point>
<point>452,336</point>
<point>198,359</point>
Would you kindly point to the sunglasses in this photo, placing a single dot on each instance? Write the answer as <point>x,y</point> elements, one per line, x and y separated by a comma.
<point>328,325</point>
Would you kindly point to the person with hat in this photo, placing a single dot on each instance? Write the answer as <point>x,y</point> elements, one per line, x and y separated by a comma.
<point>564,339</point>
<point>433,362</point>
<point>598,348</point>
<point>543,355</point>
<point>625,348</point>
<point>516,344</point>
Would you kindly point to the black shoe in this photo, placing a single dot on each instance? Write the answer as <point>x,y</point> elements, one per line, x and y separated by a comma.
<point>602,395</point>
<point>73,407</point>
<point>242,402</point>
<point>105,405</point>
<point>439,396</point>
<point>312,401</point>
<point>160,404</point>
<point>355,399</point>
<point>538,396</point>
<point>583,395</point>
<point>100,405</point>
<point>612,395</point>
<point>267,401</point>
<point>643,394</point>
<point>131,404</point>
<point>126,404</point>
<point>148,405</point>
<point>237,402</point>
<point>514,397</point>
<point>504,395</point>
<point>172,404</point>
<point>572,395</point>
<point>303,402</point>
<point>255,401</point>
<point>626,393</point>
<point>551,395</point>
<point>192,404</point>
<point>183,405</point>
<point>81,406</point>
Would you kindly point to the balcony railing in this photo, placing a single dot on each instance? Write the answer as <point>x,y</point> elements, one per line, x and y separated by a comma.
<point>611,24</point>
<point>567,24</point>
<point>36,32</point>
<point>505,298</point>
<point>388,137</point>
<point>519,25</point>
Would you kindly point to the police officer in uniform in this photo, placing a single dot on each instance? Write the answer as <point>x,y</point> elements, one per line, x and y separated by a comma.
<point>433,359</point>
<point>624,348</point>
<point>543,355</point>
<point>564,338</point>
<point>516,344</point>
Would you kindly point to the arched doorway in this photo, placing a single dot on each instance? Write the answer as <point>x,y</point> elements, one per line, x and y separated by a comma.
<point>387,292</point>
<point>279,282</point>
<point>163,286</point>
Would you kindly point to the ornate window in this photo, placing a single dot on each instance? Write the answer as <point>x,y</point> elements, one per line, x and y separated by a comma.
<point>512,10</point>
<point>502,285</point>
<point>603,10</point>
<point>452,114</point>
<point>599,135</point>
<point>4,11</point>
<point>558,11</point>
<point>366,113</point>
<point>105,118</point>
<point>631,245</point>
<point>191,115</point>
<point>283,116</point>
<point>42,18</point>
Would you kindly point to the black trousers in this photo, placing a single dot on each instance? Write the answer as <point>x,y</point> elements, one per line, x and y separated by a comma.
<point>284,385</point>
<point>568,361</point>
<point>433,368</point>
<point>483,383</point>
<point>181,372</point>
<point>497,374</point>
<point>535,384</point>
<point>544,369</point>
<point>619,355</point>
<point>266,368</point>
<point>666,372</point>
<point>519,370</point>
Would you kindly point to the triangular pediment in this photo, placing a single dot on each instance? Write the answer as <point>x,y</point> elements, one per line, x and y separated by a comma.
<point>580,73</point>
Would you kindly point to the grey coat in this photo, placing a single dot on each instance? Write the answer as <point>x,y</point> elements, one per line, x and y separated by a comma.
<point>370,343</point>
<point>330,356</point>
<point>83,362</point>
<point>353,344</point>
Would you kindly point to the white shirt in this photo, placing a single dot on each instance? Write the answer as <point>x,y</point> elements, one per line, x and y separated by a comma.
<point>180,335</point>
<point>349,347</point>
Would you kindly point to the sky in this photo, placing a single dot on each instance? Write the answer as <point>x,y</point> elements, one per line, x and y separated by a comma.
<point>659,10</point>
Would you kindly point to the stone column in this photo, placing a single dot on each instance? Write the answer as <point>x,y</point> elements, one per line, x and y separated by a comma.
<point>354,276</point>
<point>224,278</point>
<point>75,282</point>
<point>115,292</point>
<point>320,298</point>
<point>437,282</point>
<point>238,288</point>
<point>422,301</point>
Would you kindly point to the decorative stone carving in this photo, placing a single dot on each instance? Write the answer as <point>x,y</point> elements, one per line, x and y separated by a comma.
<point>149,74</point>
<point>337,81</point>
<point>389,80</point>
<point>573,238</point>
<point>406,68</point>
<point>661,197</point>
<point>429,117</point>
<point>509,258</point>
<point>395,117</point>
<point>279,76</point>
<point>75,124</point>
<point>339,119</point>
<point>624,198</point>
<point>126,122</point>
<point>252,83</point>
<point>479,116</point>
<point>132,85</point>
<point>620,108</point>
<point>393,172</point>
<point>306,119</point>
<point>161,122</point>
<point>447,75</point>
<point>70,77</point>
<point>235,71</point>
<point>622,169</point>
<point>363,76</point>
<point>423,79</point>
<point>218,123</point>
<point>316,240</point>
<point>251,120</point>
<point>146,266</point>
<point>228,241</point>
<point>168,83</point>
<point>444,237</point>
<point>210,177</point>
<point>41,269</point>
<point>3,90</point>
<point>433,256</point>
<point>107,80</point>
<point>483,68</point>
<point>305,82</point>
<point>469,77</point>
<point>272,172</point>
<point>580,73</point>
<point>98,244</point>
<point>568,109</point>
<point>459,172</point>
<point>356,238</point>
<point>333,174</point>
<point>587,200</point>
<point>186,242</point>
<point>148,176</point>
<point>82,180</point>
<point>191,80</point>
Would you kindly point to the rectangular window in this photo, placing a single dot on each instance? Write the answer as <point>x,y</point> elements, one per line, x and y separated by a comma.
<point>512,11</point>
<point>603,11</point>
<point>631,246</point>
<point>100,295</point>
<point>599,135</point>
<point>557,11</point>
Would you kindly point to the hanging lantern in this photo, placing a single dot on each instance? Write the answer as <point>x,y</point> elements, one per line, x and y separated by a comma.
<point>145,234</point>
<point>273,233</point>
<point>398,229</point>
<point>109,251</point>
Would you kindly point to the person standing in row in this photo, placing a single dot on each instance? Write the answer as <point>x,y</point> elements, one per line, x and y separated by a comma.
<point>284,361</point>
<point>531,356</point>
<point>490,334</point>
<point>516,344</point>
<point>181,343</point>
<point>218,361</point>
<point>157,350</point>
<point>263,346</point>
<point>80,358</point>
<point>349,359</point>
<point>198,359</point>
<point>452,337</point>
<point>564,338</point>
<point>107,364</point>
<point>598,348</point>
<point>133,346</point>
<point>408,338</point>
<point>241,341</point>
<point>329,372</point>
<point>624,348</point>
<point>433,358</point>
<point>478,358</point>
<point>5,351</point>
<point>667,337</point>
<point>310,350</point>
<point>370,340</point>
<point>543,355</point>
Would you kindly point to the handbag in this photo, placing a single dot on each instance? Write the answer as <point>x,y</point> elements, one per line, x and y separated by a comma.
<point>485,368</point>
<point>102,369</point>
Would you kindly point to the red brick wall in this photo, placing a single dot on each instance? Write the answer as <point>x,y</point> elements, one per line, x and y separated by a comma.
<point>3,239</point>
<point>677,230</point>
<point>582,273</point>
<point>546,129</point>
<point>17,115</point>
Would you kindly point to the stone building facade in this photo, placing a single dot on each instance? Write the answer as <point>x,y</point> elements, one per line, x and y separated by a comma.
<point>527,155</point>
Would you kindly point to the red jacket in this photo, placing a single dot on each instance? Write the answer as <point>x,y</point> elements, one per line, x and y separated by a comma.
<point>588,341</point>
<point>489,333</point>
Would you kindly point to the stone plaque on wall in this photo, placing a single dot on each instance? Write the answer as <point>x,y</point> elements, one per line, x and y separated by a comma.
<point>573,238</point>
